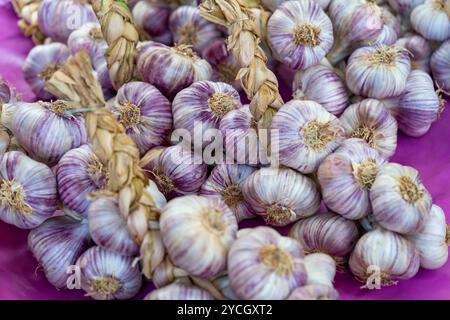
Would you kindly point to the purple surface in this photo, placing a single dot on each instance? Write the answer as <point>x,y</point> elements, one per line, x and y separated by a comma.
<point>20,277</point>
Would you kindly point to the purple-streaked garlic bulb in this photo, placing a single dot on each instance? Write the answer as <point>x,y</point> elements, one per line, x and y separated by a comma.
<point>431,19</point>
<point>381,257</point>
<point>321,269</point>
<point>202,106</point>
<point>440,66</point>
<point>346,177</point>
<point>404,7</point>
<point>281,196</point>
<point>179,291</point>
<point>80,173</point>
<point>145,114</point>
<point>272,5</point>
<point>190,28</point>
<point>420,51</point>
<point>175,170</point>
<point>433,241</point>
<point>306,133</point>
<point>106,275</point>
<point>171,69</point>
<point>263,265</point>
<point>225,182</point>
<point>371,121</point>
<point>55,130</point>
<point>208,228</point>
<point>322,85</point>
<point>378,72</point>
<point>57,19</point>
<point>57,244</point>
<point>391,29</point>
<point>418,106</point>
<point>300,33</point>
<point>400,202</point>
<point>314,292</point>
<point>327,233</point>
<point>28,194</point>
<point>41,63</point>
<point>153,19</point>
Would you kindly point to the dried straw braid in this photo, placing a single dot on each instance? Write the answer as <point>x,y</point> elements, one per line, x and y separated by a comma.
<point>260,83</point>
<point>27,10</point>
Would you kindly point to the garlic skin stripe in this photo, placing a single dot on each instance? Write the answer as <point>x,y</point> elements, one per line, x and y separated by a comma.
<point>440,66</point>
<point>179,291</point>
<point>431,20</point>
<point>154,20</point>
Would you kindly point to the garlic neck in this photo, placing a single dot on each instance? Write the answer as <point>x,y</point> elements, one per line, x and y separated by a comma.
<point>365,133</point>
<point>185,51</point>
<point>129,114</point>
<point>213,220</point>
<point>104,286</point>
<point>277,214</point>
<point>276,259</point>
<point>220,104</point>
<point>164,183</point>
<point>384,55</point>
<point>409,190</point>
<point>306,34</point>
<point>365,173</point>
<point>232,195</point>
<point>12,194</point>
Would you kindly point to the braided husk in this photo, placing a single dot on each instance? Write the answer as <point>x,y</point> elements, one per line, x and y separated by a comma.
<point>259,83</point>
<point>27,10</point>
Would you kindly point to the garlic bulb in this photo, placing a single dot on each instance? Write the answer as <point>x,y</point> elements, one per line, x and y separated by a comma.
<point>314,292</point>
<point>378,72</point>
<point>263,265</point>
<point>371,121</point>
<point>322,85</point>
<point>272,5</point>
<point>175,171</point>
<point>203,105</point>
<point>431,20</point>
<point>56,244</point>
<point>28,194</point>
<point>404,7</point>
<point>106,275</point>
<point>383,256</point>
<point>145,114</point>
<point>346,177</point>
<point>190,28</point>
<point>432,242</point>
<point>153,19</point>
<point>57,19</point>
<point>440,67</point>
<point>281,196</point>
<point>80,173</point>
<point>420,51</point>
<point>225,182</point>
<point>307,133</point>
<point>321,269</point>
<point>208,227</point>
<point>418,106</point>
<point>300,33</point>
<point>67,130</point>
<point>40,65</point>
<point>179,291</point>
<point>327,233</point>
<point>7,92</point>
<point>400,202</point>
<point>171,69</point>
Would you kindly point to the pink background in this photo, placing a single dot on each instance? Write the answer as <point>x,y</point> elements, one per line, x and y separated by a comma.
<point>20,277</point>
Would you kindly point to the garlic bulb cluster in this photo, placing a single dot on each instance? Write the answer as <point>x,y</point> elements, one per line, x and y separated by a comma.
<point>154,20</point>
<point>321,269</point>
<point>28,194</point>
<point>41,63</point>
<point>300,33</point>
<point>400,202</point>
<point>307,133</point>
<point>179,291</point>
<point>226,181</point>
<point>346,177</point>
<point>262,264</point>
<point>371,121</point>
<point>208,227</point>
<point>440,67</point>
<point>314,292</point>
<point>145,114</point>
<point>431,19</point>
<point>281,196</point>
<point>171,69</point>
<point>56,244</point>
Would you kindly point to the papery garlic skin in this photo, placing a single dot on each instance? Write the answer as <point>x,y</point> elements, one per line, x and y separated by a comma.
<point>371,121</point>
<point>272,5</point>
<point>378,72</point>
<point>8,93</point>
<point>307,133</point>
<point>40,65</point>
<point>404,7</point>
<point>153,19</point>
<point>431,20</point>
<point>321,269</point>
<point>56,244</point>
<point>263,265</point>
<point>420,51</point>
<point>431,242</point>
<point>152,253</point>
<point>222,283</point>
<point>400,202</point>
<point>314,292</point>
<point>41,118</point>
<point>145,114</point>
<point>281,196</point>
<point>208,227</point>
<point>179,291</point>
<point>28,194</point>
<point>225,182</point>
<point>170,69</point>
<point>386,252</point>
<point>322,85</point>
<point>440,66</point>
<point>346,177</point>
<point>106,275</point>
<point>300,33</point>
<point>391,29</point>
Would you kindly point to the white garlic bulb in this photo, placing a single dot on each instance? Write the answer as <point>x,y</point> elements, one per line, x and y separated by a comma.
<point>321,269</point>
<point>431,19</point>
